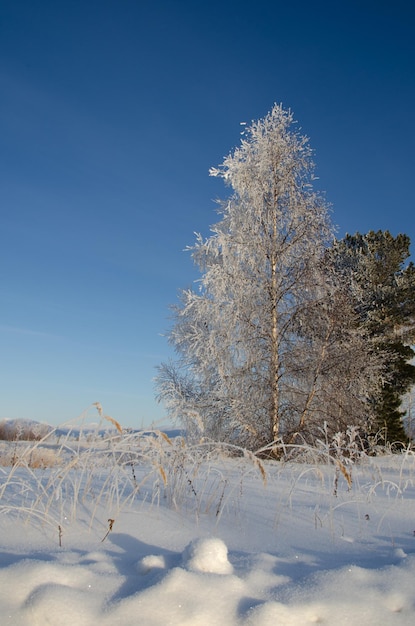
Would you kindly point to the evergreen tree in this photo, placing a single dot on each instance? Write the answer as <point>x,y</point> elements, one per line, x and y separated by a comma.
<point>383,292</point>
<point>267,346</point>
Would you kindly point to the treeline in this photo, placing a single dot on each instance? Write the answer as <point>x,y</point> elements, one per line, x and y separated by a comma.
<point>25,430</point>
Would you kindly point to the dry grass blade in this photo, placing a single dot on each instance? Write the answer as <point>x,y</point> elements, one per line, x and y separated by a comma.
<point>110,525</point>
<point>107,417</point>
<point>163,474</point>
<point>165,437</point>
<point>258,464</point>
<point>345,473</point>
<point>99,408</point>
<point>114,422</point>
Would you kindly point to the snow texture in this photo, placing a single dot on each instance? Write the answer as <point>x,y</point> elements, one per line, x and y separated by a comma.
<point>287,553</point>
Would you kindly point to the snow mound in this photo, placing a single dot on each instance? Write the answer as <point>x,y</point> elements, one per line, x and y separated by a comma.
<point>151,562</point>
<point>60,605</point>
<point>207,555</point>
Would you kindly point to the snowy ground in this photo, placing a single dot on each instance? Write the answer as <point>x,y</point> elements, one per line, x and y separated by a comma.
<point>208,543</point>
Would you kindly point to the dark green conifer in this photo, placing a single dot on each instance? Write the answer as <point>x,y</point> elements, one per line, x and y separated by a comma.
<point>383,290</point>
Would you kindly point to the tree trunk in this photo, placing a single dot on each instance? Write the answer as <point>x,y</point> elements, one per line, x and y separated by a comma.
<point>274,361</point>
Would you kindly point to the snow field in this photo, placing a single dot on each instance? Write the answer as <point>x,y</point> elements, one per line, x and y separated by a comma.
<point>204,539</point>
<point>77,587</point>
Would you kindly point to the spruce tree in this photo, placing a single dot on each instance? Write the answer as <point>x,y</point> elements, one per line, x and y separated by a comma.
<point>383,291</point>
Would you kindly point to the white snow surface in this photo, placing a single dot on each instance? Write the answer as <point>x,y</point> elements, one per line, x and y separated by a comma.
<point>293,551</point>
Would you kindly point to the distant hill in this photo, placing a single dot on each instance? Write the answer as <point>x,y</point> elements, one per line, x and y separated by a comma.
<point>27,430</point>
<point>30,430</point>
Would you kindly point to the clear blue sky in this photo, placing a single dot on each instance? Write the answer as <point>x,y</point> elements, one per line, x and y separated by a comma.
<point>112,112</point>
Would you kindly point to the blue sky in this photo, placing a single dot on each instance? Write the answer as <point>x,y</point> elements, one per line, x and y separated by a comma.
<point>112,113</point>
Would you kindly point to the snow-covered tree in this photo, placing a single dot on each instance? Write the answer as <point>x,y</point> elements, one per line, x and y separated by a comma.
<point>383,291</point>
<point>256,340</point>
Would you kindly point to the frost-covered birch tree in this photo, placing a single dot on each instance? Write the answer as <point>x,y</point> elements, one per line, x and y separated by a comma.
<point>255,339</point>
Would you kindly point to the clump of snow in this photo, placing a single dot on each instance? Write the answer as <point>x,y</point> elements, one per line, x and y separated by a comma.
<point>207,555</point>
<point>399,553</point>
<point>151,562</point>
